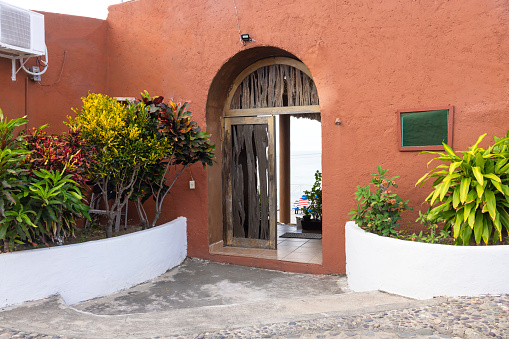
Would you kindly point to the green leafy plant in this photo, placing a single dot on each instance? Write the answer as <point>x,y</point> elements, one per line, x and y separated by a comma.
<point>431,235</point>
<point>471,193</point>
<point>379,211</point>
<point>57,201</point>
<point>314,197</point>
<point>12,156</point>
<point>17,226</point>
<point>32,196</point>
<point>124,142</point>
<point>187,145</point>
<point>13,171</point>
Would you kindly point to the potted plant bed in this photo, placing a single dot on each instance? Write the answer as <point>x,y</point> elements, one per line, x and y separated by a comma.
<point>422,270</point>
<point>469,196</point>
<point>312,219</point>
<point>92,269</point>
<point>309,224</point>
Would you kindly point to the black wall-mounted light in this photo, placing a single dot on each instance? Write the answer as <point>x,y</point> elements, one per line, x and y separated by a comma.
<point>245,37</point>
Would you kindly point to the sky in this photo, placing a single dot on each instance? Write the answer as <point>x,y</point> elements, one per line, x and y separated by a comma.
<point>305,136</point>
<point>89,8</point>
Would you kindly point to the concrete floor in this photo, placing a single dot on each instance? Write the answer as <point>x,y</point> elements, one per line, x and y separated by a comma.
<point>200,283</point>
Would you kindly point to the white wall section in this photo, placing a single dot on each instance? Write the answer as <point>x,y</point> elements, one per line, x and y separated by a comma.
<point>421,270</point>
<point>97,268</point>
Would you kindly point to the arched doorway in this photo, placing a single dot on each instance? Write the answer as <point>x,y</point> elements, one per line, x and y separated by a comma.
<point>221,91</point>
<point>266,89</point>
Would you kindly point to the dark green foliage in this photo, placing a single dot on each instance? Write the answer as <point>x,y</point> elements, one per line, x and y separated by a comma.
<point>33,200</point>
<point>314,197</point>
<point>188,145</point>
<point>57,201</point>
<point>13,171</point>
<point>379,211</point>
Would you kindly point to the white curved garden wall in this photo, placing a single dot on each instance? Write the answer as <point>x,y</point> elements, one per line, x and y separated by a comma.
<point>84,271</point>
<point>421,270</point>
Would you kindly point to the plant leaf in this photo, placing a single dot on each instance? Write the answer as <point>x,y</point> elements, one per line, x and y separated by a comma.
<point>467,209</point>
<point>456,197</point>
<point>454,165</point>
<point>478,175</point>
<point>478,227</point>
<point>464,187</point>
<point>493,177</point>
<point>480,190</point>
<point>491,204</point>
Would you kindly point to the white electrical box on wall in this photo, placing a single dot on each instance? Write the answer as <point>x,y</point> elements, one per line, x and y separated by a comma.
<point>21,32</point>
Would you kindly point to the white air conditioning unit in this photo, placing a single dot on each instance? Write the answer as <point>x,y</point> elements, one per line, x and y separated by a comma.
<point>21,32</point>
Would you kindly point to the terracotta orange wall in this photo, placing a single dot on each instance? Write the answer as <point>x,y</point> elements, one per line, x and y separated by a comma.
<point>368,59</point>
<point>85,69</point>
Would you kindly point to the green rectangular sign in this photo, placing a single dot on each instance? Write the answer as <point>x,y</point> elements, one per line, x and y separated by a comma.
<point>424,128</point>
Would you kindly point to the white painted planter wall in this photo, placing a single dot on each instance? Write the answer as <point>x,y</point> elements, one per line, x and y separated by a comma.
<point>421,270</point>
<point>97,268</point>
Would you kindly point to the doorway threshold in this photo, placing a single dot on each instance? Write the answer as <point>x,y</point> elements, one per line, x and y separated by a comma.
<point>307,251</point>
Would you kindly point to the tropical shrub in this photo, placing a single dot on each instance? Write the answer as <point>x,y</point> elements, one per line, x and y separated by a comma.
<point>14,218</point>
<point>187,144</point>
<point>471,193</point>
<point>57,152</point>
<point>16,226</point>
<point>56,200</point>
<point>123,141</point>
<point>35,201</point>
<point>379,211</point>
<point>314,197</point>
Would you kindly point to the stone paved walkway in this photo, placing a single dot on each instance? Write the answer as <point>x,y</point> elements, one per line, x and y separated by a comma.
<point>465,317</point>
<point>486,316</point>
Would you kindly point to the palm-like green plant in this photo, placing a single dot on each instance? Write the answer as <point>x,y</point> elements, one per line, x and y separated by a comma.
<point>11,161</point>
<point>13,218</point>
<point>12,174</point>
<point>16,224</point>
<point>57,200</point>
<point>472,191</point>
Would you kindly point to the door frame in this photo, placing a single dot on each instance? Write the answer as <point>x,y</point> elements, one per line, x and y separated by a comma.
<point>253,113</point>
<point>230,240</point>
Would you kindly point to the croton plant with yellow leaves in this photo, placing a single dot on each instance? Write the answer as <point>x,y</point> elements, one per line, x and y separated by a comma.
<point>135,145</point>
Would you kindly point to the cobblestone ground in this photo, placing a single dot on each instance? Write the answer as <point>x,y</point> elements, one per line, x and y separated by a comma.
<point>465,317</point>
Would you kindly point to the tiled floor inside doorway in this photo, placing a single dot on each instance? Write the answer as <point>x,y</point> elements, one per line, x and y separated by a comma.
<point>288,249</point>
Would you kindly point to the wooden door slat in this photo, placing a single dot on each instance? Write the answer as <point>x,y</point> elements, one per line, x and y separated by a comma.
<point>261,141</point>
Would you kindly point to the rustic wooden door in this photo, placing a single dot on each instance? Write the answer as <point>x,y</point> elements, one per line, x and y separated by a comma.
<point>249,172</point>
